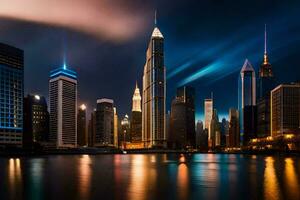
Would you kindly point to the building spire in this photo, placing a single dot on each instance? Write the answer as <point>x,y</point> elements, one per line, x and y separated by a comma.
<point>265,52</point>
<point>155,19</point>
<point>136,85</point>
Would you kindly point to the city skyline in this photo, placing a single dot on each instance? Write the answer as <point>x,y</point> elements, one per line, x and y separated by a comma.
<point>187,56</point>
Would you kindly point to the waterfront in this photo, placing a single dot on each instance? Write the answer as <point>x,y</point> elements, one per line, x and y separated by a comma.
<point>150,176</point>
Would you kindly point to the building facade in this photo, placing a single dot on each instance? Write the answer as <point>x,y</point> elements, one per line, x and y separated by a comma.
<point>234,128</point>
<point>154,93</point>
<point>247,103</point>
<point>285,110</point>
<point>104,135</point>
<point>81,126</point>
<point>136,117</point>
<point>208,112</point>
<point>11,95</point>
<point>92,129</point>
<point>63,107</point>
<point>125,135</point>
<point>36,121</point>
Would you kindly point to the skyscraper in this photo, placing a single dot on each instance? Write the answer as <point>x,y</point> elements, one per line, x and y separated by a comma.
<point>136,117</point>
<point>234,131</point>
<point>285,110</point>
<point>81,126</point>
<point>247,102</point>
<point>215,130</point>
<point>199,132</point>
<point>11,95</point>
<point>92,129</point>
<point>125,131</point>
<point>63,107</point>
<point>208,112</point>
<point>36,120</point>
<point>116,128</point>
<point>266,84</point>
<point>187,94</point>
<point>154,93</point>
<point>104,135</point>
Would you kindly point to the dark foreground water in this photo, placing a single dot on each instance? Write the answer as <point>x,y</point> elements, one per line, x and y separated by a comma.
<point>150,176</point>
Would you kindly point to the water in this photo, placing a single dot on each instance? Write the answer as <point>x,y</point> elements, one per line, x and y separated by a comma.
<point>150,176</point>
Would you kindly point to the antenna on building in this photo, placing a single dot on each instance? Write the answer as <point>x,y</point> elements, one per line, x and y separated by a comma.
<point>265,38</point>
<point>155,19</point>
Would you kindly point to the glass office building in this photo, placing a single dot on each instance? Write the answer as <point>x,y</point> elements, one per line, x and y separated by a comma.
<point>11,95</point>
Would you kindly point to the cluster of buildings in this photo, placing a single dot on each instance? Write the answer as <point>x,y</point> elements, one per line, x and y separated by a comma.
<point>268,115</point>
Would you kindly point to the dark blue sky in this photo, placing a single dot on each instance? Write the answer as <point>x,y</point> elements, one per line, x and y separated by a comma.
<point>206,43</point>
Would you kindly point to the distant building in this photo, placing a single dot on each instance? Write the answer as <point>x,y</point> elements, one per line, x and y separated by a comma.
<point>247,103</point>
<point>11,95</point>
<point>81,126</point>
<point>285,110</point>
<point>266,83</point>
<point>234,130</point>
<point>125,131</point>
<point>104,135</point>
<point>199,131</point>
<point>36,120</point>
<point>136,116</point>
<point>187,94</point>
<point>154,93</point>
<point>203,146</point>
<point>215,129</point>
<point>92,129</point>
<point>224,131</point>
<point>116,128</point>
<point>178,129</point>
<point>63,107</point>
<point>208,112</point>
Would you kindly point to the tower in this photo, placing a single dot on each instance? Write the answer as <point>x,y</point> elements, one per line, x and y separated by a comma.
<point>154,93</point>
<point>81,126</point>
<point>136,116</point>
<point>63,107</point>
<point>247,102</point>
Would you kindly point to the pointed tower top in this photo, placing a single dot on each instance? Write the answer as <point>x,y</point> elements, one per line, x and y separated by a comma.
<point>247,66</point>
<point>136,85</point>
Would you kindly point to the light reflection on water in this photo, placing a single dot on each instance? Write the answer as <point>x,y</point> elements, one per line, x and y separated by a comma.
<point>151,176</point>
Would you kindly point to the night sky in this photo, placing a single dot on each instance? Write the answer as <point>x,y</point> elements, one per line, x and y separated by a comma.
<point>206,43</point>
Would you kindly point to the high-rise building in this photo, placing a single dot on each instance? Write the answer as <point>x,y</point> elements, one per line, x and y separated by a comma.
<point>136,117</point>
<point>285,110</point>
<point>63,107</point>
<point>116,128</point>
<point>104,135</point>
<point>125,136</point>
<point>11,95</point>
<point>81,126</point>
<point>266,83</point>
<point>247,103</point>
<point>208,112</point>
<point>215,130</point>
<point>234,131</point>
<point>154,93</point>
<point>187,94</point>
<point>92,129</point>
<point>36,120</point>
<point>178,129</point>
<point>224,131</point>
<point>199,132</point>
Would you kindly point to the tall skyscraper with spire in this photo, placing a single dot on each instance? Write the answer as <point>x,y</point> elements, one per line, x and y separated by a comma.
<point>266,83</point>
<point>247,102</point>
<point>154,92</point>
<point>136,116</point>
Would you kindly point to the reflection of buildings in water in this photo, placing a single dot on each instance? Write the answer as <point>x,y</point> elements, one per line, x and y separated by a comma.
<point>36,174</point>
<point>84,176</point>
<point>182,181</point>
<point>271,185</point>
<point>142,178</point>
<point>15,177</point>
<point>291,179</point>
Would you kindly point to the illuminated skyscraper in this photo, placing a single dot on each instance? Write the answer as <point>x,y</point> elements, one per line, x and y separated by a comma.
<point>285,110</point>
<point>154,93</point>
<point>63,107</point>
<point>136,116</point>
<point>266,84</point>
<point>125,131</point>
<point>11,95</point>
<point>208,112</point>
<point>234,130</point>
<point>104,135</point>
<point>116,128</point>
<point>247,102</point>
<point>81,126</point>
